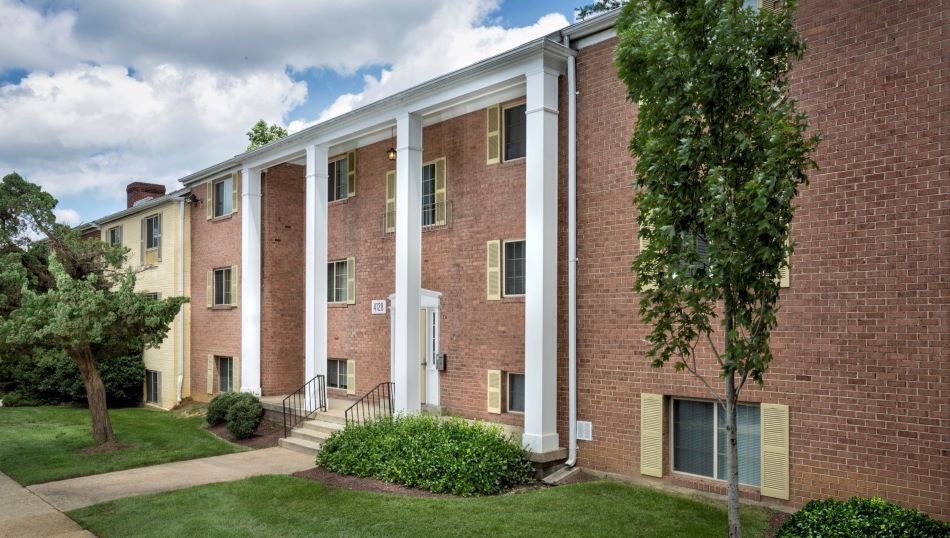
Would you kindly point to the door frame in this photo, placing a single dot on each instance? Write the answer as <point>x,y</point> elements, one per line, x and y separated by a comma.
<point>431,302</point>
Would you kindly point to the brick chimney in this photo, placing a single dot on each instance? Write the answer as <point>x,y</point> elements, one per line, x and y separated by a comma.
<point>139,191</point>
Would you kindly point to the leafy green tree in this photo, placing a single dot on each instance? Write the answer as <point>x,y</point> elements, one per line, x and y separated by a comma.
<point>721,154</point>
<point>261,135</point>
<point>59,291</point>
<point>600,6</point>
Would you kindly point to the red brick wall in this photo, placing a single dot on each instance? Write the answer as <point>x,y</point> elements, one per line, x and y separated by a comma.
<point>283,217</point>
<point>861,348</point>
<point>214,243</point>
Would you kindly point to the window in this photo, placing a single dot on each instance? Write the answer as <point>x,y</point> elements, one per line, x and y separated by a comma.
<point>515,132</point>
<point>115,236</point>
<point>699,440</point>
<point>515,393</point>
<point>222,287</point>
<point>336,373</point>
<point>152,295</point>
<point>336,282</point>
<point>225,374</point>
<point>153,386</point>
<point>428,195</point>
<point>514,268</point>
<point>153,232</point>
<point>337,171</point>
<point>223,198</point>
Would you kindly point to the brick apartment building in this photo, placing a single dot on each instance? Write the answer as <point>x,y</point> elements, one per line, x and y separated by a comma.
<point>463,239</point>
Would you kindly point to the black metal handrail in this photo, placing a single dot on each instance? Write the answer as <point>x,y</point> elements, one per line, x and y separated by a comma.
<point>304,402</point>
<point>377,403</point>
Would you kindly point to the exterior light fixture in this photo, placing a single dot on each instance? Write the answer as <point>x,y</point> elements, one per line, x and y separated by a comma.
<point>391,152</point>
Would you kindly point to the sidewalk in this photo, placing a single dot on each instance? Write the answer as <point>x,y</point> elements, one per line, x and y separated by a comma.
<point>75,493</point>
<point>23,514</point>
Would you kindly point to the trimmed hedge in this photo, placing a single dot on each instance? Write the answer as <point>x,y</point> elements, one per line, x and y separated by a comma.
<point>217,411</point>
<point>53,378</point>
<point>442,456</point>
<point>873,518</point>
<point>244,417</point>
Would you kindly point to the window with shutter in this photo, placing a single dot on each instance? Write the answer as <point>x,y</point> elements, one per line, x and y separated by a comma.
<point>774,435</point>
<point>514,268</point>
<point>493,134</point>
<point>494,391</point>
<point>391,201</point>
<point>210,376</point>
<point>515,131</point>
<point>351,174</point>
<point>651,434</point>
<point>236,372</point>
<point>209,201</point>
<point>351,376</point>
<point>493,270</point>
<point>235,191</point>
<point>700,440</point>
<point>223,197</point>
<point>338,174</point>
<point>351,281</point>
<point>440,186</point>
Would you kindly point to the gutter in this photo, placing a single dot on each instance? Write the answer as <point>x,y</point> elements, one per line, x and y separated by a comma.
<point>571,255</point>
<point>181,292</point>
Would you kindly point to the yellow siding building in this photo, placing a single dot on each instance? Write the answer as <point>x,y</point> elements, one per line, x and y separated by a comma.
<point>157,234</point>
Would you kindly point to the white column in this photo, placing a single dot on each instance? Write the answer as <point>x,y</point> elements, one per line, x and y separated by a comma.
<point>251,281</point>
<point>408,261</point>
<point>315,328</point>
<point>540,335</point>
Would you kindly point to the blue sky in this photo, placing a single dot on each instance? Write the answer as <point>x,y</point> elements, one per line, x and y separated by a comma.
<point>97,94</point>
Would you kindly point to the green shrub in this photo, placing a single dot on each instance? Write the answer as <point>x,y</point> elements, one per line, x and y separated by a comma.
<point>52,377</point>
<point>218,407</point>
<point>244,416</point>
<point>443,456</point>
<point>873,518</point>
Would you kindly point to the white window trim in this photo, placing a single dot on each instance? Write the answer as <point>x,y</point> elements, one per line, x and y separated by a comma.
<point>109,234</point>
<point>230,370</point>
<point>339,362</point>
<point>422,201</point>
<point>715,446</point>
<point>157,216</point>
<point>214,288</point>
<point>346,192</point>
<point>504,267</point>
<point>502,122</point>
<point>508,392</point>
<point>214,190</point>
<point>334,262</point>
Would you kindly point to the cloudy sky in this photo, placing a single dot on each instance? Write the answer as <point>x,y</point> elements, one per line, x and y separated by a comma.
<point>95,94</point>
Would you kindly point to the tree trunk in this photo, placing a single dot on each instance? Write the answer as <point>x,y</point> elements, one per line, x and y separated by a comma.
<point>732,457</point>
<point>95,395</point>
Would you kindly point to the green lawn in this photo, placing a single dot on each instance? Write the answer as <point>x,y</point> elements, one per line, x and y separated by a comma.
<point>40,444</point>
<point>288,506</point>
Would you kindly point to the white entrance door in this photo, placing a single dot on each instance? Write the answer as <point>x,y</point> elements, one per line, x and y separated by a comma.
<point>428,346</point>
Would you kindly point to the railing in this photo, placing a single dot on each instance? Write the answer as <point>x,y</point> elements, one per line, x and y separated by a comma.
<point>377,403</point>
<point>303,402</point>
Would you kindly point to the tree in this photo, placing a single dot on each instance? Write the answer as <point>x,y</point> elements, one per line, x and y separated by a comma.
<point>61,292</point>
<point>261,135</point>
<point>600,6</point>
<point>721,154</point>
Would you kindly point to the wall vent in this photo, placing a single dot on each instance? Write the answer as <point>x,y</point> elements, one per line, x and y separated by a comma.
<point>585,430</point>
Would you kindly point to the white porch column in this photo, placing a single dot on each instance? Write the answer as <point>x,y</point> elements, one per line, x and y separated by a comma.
<point>540,335</point>
<point>408,261</point>
<point>251,281</point>
<point>315,327</point>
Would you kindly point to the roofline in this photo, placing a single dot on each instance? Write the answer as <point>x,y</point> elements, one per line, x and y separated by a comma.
<point>137,208</point>
<point>591,25</point>
<point>542,44</point>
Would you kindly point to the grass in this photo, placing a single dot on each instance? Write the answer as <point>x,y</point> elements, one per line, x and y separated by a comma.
<point>288,506</point>
<point>40,444</point>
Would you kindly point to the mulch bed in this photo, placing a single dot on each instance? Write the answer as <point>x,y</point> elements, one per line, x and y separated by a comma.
<point>265,436</point>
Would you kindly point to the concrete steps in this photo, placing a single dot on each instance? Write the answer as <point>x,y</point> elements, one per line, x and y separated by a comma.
<point>307,437</point>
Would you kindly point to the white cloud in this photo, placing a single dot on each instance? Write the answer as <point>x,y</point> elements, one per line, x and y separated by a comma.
<point>67,216</point>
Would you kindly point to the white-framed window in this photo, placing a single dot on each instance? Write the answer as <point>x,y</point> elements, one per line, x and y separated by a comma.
<point>699,440</point>
<point>514,268</point>
<point>336,281</point>
<point>515,392</point>
<point>337,171</point>
<point>336,373</point>
<point>153,232</point>
<point>428,195</point>
<point>225,374</point>
<point>514,123</point>
<point>153,386</point>
<point>222,287</point>
<point>154,295</point>
<point>115,235</point>
<point>223,197</point>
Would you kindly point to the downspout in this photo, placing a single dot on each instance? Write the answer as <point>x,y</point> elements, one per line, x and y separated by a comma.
<point>571,257</point>
<point>181,292</point>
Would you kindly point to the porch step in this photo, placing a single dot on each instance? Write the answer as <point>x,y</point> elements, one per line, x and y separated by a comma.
<point>299,445</point>
<point>320,424</point>
<point>309,435</point>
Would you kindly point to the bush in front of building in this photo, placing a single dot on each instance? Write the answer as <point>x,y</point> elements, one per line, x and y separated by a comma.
<point>873,518</point>
<point>218,407</point>
<point>244,416</point>
<point>443,456</point>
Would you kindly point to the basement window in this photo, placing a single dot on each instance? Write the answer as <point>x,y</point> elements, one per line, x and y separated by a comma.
<point>153,384</point>
<point>225,374</point>
<point>336,373</point>
<point>699,440</point>
<point>515,393</point>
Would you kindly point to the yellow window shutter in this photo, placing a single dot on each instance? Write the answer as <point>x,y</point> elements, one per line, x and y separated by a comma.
<point>235,192</point>
<point>234,285</point>
<point>770,5</point>
<point>236,373</point>
<point>440,192</point>
<point>493,134</point>
<point>494,391</point>
<point>210,289</point>
<point>351,174</point>
<point>785,273</point>
<point>651,434</point>
<point>209,201</point>
<point>391,201</point>
<point>493,270</point>
<point>351,281</point>
<point>774,446</point>
<point>210,374</point>
<point>350,376</point>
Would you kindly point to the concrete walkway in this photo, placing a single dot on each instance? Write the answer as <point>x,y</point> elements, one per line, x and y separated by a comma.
<point>23,514</point>
<point>75,493</point>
